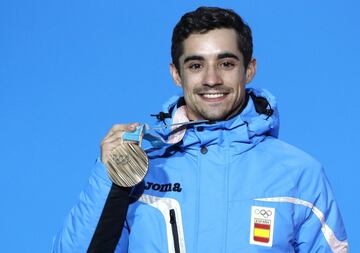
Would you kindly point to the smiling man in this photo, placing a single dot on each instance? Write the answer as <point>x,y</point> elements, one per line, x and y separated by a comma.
<point>213,74</point>
<point>219,179</point>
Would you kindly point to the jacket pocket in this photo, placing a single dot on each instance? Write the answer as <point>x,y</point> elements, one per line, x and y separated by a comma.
<point>171,212</point>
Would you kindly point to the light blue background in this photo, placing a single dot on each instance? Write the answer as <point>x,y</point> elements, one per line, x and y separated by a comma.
<point>70,69</point>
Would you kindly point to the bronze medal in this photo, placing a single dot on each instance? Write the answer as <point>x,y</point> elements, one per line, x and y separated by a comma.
<point>127,164</point>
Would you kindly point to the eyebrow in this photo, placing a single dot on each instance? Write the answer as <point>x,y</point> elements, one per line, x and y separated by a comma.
<point>227,55</point>
<point>219,57</point>
<point>193,58</point>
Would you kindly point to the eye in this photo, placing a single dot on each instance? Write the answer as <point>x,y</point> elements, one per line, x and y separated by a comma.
<point>195,66</point>
<point>227,65</point>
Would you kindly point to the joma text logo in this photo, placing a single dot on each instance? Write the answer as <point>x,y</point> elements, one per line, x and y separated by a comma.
<point>163,187</point>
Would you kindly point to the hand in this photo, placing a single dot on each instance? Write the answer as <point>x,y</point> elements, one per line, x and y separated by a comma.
<point>114,139</point>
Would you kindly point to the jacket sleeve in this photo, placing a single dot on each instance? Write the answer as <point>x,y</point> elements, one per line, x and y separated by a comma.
<point>321,228</point>
<point>97,220</point>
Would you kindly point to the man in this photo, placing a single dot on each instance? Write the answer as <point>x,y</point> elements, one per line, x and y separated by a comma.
<point>221,183</point>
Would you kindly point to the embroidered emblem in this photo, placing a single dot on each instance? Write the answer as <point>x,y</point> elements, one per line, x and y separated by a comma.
<point>262,225</point>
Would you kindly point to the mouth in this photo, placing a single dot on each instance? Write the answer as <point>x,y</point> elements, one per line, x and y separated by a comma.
<point>213,97</point>
<point>218,95</point>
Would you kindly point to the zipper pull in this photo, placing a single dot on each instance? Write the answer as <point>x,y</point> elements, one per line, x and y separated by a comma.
<point>172,216</point>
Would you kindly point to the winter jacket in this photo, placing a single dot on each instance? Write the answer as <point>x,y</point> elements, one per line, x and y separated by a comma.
<point>228,186</point>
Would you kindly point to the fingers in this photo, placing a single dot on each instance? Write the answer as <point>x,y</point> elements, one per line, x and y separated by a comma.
<point>114,138</point>
<point>111,136</point>
<point>107,148</point>
<point>121,128</point>
<point>124,127</point>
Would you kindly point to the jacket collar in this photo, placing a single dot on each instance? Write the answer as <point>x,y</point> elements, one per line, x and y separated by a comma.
<point>258,119</point>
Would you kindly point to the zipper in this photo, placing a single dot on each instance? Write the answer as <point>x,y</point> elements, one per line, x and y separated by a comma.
<point>171,212</point>
<point>174,230</point>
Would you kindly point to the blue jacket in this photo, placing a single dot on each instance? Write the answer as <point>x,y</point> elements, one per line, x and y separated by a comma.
<point>228,186</point>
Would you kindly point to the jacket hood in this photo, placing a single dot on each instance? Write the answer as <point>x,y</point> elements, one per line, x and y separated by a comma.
<point>257,120</point>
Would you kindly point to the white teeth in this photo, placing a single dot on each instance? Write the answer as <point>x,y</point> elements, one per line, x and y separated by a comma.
<point>213,95</point>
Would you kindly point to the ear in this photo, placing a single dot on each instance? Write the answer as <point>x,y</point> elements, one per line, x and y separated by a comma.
<point>250,71</point>
<point>175,75</point>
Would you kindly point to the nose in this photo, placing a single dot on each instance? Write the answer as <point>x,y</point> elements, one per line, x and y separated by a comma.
<point>212,77</point>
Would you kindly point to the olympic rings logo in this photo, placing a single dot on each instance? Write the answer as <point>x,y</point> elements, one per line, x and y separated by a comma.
<point>264,213</point>
<point>120,159</point>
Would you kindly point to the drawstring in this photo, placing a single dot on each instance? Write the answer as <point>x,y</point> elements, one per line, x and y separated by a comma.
<point>269,112</point>
<point>161,116</point>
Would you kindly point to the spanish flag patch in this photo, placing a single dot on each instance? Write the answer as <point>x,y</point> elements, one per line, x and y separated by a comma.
<point>262,225</point>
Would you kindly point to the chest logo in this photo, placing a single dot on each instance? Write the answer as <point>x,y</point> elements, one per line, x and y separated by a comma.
<point>262,225</point>
<point>176,187</point>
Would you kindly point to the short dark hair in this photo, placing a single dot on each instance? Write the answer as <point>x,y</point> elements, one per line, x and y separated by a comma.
<point>204,19</point>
